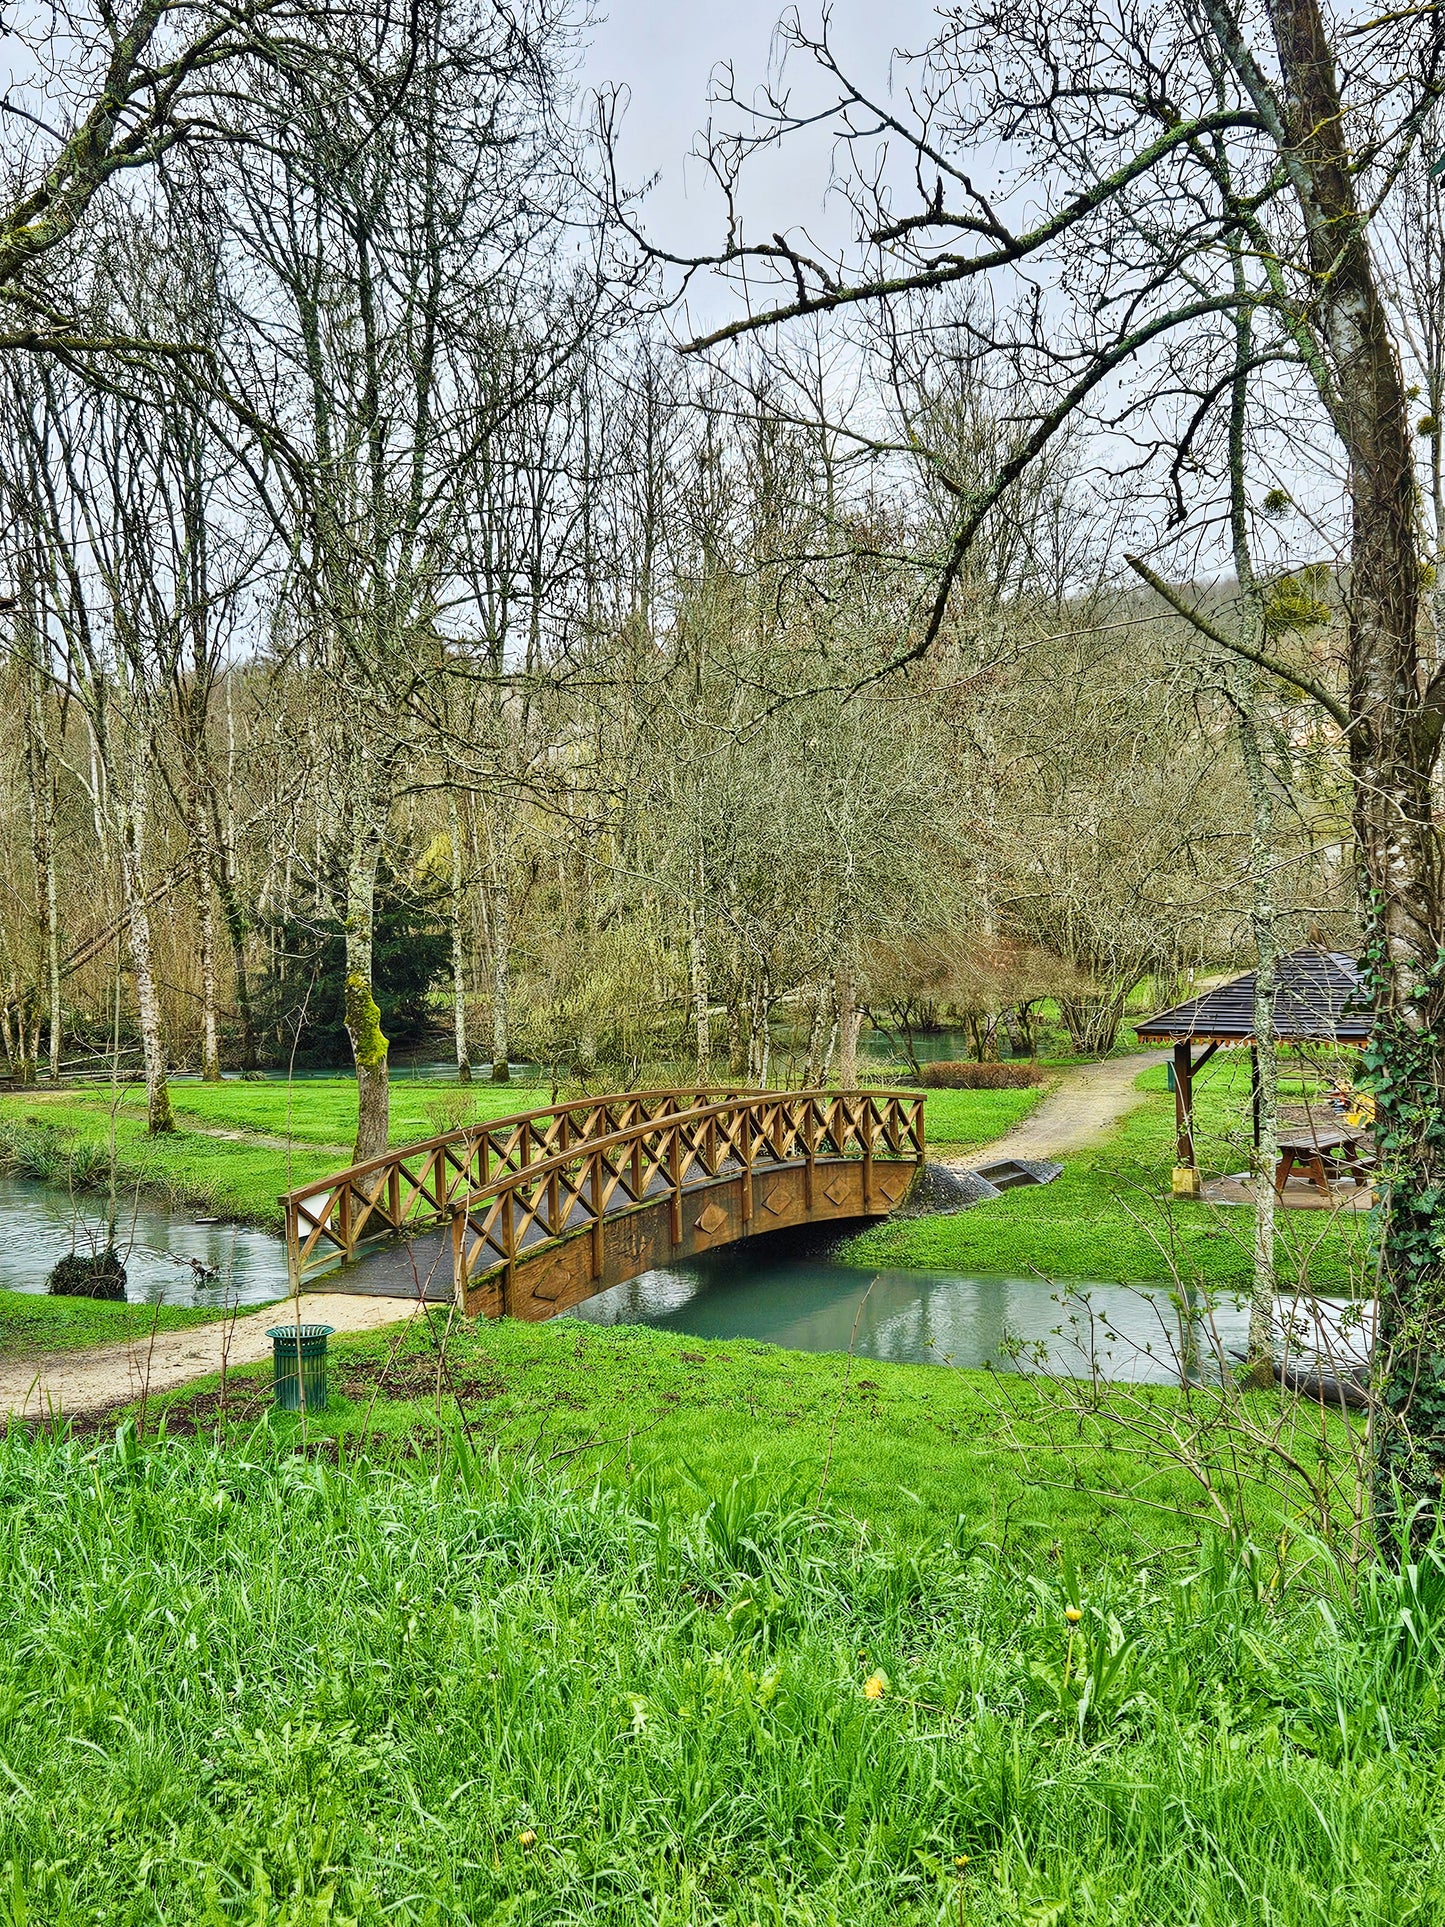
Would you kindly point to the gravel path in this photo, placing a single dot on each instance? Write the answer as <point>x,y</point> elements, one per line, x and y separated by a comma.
<point>1087,1103</point>
<point>86,1381</point>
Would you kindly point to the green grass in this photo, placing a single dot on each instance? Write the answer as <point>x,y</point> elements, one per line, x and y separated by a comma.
<point>899,1449</point>
<point>1110,1215</point>
<point>246,1687</point>
<point>32,1322</point>
<point>963,1119</point>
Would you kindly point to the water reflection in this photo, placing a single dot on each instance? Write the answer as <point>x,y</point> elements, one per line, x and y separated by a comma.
<point>1120,1332</point>
<point>169,1258</point>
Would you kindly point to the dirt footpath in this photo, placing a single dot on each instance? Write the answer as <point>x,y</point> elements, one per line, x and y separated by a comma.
<point>68,1383</point>
<point>1087,1104</point>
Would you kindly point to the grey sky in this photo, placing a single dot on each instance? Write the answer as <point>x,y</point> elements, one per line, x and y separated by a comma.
<point>664,52</point>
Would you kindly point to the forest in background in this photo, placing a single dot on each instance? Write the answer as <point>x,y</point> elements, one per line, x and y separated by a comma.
<point>430,656</point>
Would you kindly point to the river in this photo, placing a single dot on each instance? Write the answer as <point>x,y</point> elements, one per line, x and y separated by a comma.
<point>170,1257</point>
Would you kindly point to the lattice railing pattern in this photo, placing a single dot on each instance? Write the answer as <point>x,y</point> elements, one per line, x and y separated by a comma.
<point>558,1149</point>
<point>662,1157</point>
<point>416,1184</point>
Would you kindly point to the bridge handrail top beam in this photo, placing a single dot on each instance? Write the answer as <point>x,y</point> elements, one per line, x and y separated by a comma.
<point>560,1160</point>
<point>465,1131</point>
<point>733,1100</point>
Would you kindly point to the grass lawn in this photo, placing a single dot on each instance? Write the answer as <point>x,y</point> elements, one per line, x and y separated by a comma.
<point>242,1685</point>
<point>899,1450</point>
<point>32,1322</point>
<point>1110,1215</point>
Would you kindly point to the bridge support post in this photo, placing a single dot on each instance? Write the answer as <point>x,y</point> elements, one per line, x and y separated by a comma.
<point>509,1249</point>
<point>596,1188</point>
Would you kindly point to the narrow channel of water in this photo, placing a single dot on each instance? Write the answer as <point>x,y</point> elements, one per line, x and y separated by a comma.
<point>1117,1332</point>
<point>169,1258</point>
<point>779,1293</point>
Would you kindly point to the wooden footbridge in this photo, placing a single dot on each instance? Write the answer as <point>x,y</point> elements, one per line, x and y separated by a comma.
<point>542,1210</point>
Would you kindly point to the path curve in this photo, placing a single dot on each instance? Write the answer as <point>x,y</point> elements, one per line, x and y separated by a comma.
<point>1088,1102</point>
<point>68,1383</point>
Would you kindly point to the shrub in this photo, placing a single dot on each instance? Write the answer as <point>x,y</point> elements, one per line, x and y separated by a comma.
<point>95,1274</point>
<point>979,1077</point>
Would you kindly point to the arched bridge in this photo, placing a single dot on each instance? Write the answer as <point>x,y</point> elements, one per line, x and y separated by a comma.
<point>532,1214</point>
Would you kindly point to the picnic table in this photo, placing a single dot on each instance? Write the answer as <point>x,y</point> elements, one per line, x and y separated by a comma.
<point>1322,1151</point>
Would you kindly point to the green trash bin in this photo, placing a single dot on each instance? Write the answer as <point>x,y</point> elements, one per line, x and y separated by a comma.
<point>298,1355</point>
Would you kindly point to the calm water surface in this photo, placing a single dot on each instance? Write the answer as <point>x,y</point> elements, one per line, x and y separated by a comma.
<point>926,1317</point>
<point>169,1258</point>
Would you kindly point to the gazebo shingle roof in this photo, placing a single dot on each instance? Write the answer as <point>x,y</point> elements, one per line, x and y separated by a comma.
<point>1318,999</point>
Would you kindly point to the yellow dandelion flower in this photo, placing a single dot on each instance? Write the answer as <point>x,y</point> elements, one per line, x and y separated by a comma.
<point>960,1860</point>
<point>527,1837</point>
<point>1073,1614</point>
<point>875,1686</point>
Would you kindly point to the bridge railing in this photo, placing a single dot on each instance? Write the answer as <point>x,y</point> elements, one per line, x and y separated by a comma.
<point>416,1184</point>
<point>657,1159</point>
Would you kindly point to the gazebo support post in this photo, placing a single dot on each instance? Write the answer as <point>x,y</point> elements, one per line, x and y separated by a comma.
<point>1186,1182</point>
<point>1186,1172</point>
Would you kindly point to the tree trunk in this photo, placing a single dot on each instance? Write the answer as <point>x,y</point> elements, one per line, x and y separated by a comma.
<point>206,905</point>
<point>698,989</point>
<point>1394,741</point>
<point>501,968</point>
<point>52,966</point>
<point>138,922</point>
<point>814,1070</point>
<point>1265,1155</point>
<point>40,796</point>
<point>236,932</point>
<point>850,1019</point>
<point>459,980</point>
<point>363,1015</point>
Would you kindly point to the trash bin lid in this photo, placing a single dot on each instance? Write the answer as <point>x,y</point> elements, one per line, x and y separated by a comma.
<point>304,1334</point>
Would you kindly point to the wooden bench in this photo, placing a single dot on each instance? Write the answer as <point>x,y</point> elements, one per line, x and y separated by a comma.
<point>1322,1152</point>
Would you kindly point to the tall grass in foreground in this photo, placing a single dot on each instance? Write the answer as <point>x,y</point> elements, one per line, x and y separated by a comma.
<point>250,1687</point>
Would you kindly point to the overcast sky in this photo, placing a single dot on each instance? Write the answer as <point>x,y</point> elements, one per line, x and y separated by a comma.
<point>664,51</point>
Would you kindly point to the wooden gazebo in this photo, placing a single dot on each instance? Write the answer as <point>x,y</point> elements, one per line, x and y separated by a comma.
<point>1318,999</point>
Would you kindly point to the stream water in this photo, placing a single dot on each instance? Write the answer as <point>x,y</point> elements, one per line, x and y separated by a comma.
<point>780,1292</point>
<point>168,1256</point>
<point>1118,1332</point>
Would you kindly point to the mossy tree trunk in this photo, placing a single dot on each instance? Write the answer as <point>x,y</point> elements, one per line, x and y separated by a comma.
<point>850,1022</point>
<point>206,914</point>
<point>697,980</point>
<point>459,976</point>
<point>501,907</point>
<point>363,1014</point>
